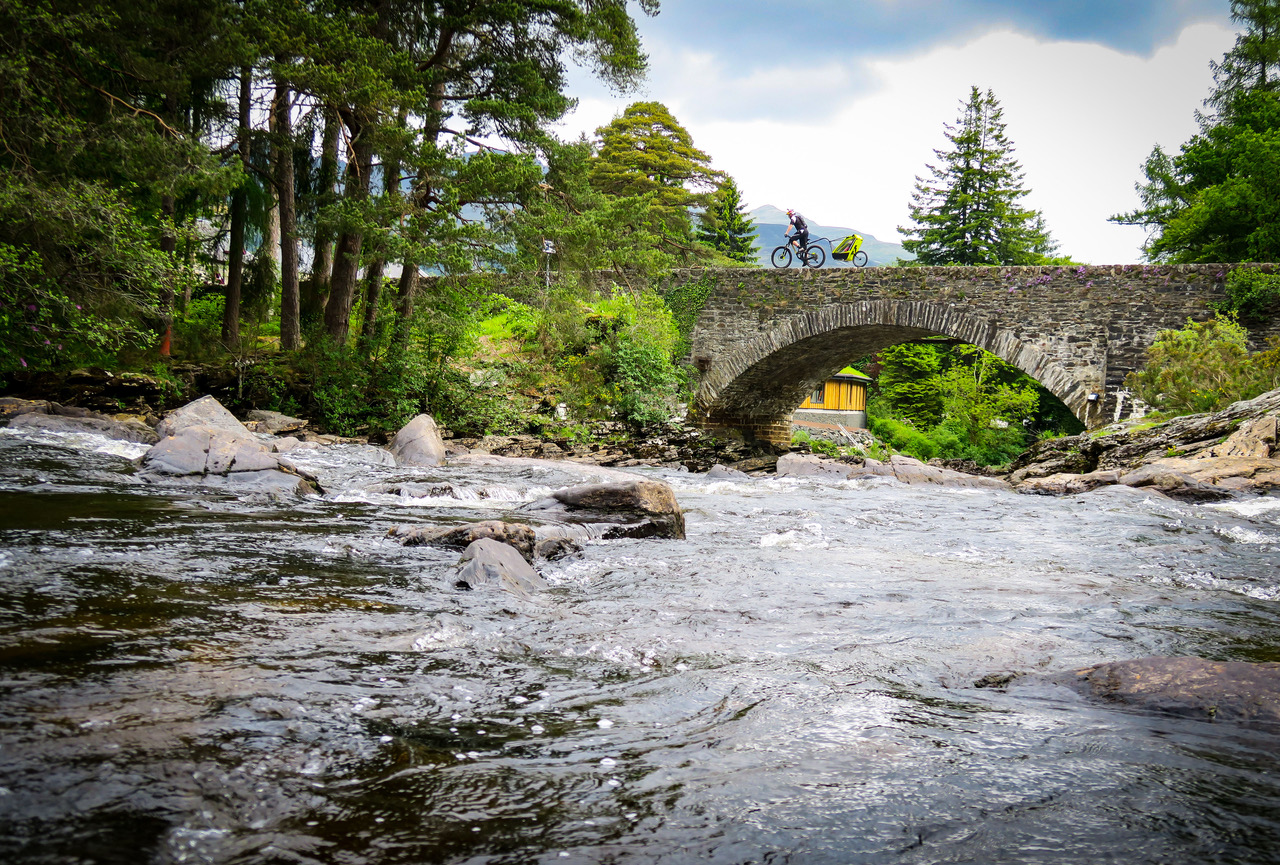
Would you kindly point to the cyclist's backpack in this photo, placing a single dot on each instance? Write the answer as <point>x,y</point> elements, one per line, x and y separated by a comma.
<point>847,248</point>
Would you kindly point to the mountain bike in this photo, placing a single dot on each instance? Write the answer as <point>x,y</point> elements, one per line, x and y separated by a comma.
<point>810,255</point>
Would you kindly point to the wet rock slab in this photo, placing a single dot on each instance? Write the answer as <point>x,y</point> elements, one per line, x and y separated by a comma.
<point>900,468</point>
<point>1193,687</point>
<point>627,509</point>
<point>516,535</point>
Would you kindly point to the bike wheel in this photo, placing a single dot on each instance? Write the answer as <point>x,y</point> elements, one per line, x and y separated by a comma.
<point>815,256</point>
<point>860,260</point>
<point>781,257</point>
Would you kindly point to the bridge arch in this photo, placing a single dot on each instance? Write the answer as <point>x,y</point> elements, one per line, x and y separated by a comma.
<point>756,385</point>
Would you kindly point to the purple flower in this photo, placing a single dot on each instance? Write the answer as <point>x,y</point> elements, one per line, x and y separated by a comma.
<point>31,306</point>
<point>46,342</point>
<point>23,360</point>
<point>59,346</point>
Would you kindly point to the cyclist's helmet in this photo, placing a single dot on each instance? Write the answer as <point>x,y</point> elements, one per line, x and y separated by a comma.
<point>790,212</point>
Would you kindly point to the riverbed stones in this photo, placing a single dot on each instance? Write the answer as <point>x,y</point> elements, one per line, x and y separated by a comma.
<point>516,535</point>
<point>1194,687</point>
<point>487,562</point>
<point>1063,484</point>
<point>122,429</point>
<point>901,468</point>
<point>626,509</point>
<point>419,443</point>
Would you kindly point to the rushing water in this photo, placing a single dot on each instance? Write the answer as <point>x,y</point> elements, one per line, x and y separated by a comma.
<point>190,677</point>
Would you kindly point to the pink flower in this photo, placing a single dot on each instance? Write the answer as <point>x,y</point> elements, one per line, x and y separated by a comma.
<point>23,361</point>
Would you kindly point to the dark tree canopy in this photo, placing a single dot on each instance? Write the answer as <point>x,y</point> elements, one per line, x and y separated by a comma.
<point>1218,198</point>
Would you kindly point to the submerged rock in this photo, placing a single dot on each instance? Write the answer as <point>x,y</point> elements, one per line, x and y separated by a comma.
<point>418,443</point>
<point>273,422</point>
<point>516,535</point>
<point>1192,687</point>
<point>487,562</point>
<point>628,509</point>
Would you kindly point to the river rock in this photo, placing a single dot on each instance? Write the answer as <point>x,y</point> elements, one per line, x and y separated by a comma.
<point>724,473</point>
<point>222,457</point>
<point>418,443</point>
<point>204,412</point>
<point>630,509</point>
<point>901,468</point>
<point>556,548</point>
<point>1067,484</point>
<point>130,430</point>
<point>487,562</point>
<point>1194,687</point>
<point>273,422</point>
<point>12,406</point>
<point>1206,478</point>
<point>516,535</point>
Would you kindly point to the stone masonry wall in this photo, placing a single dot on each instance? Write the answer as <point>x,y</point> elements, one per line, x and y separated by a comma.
<point>766,337</point>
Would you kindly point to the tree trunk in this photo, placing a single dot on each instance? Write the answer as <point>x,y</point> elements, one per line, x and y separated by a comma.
<point>372,300</point>
<point>168,247</point>
<point>317,287</point>
<point>239,213</point>
<point>346,260</point>
<point>282,149</point>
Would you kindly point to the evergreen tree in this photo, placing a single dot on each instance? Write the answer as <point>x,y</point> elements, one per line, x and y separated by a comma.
<point>969,211</point>
<point>1218,198</point>
<point>646,152</point>
<point>726,226</point>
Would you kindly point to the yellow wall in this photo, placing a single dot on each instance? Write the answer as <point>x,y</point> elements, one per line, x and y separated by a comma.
<point>840,396</point>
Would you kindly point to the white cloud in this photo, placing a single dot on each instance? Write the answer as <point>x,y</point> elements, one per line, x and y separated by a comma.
<point>1083,118</point>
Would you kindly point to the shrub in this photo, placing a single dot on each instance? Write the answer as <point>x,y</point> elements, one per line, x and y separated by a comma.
<point>1204,367</point>
<point>1250,293</point>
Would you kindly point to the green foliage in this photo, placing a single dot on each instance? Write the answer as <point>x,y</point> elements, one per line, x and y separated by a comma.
<point>646,152</point>
<point>45,327</point>
<point>1204,367</point>
<point>969,213</point>
<point>1218,198</point>
<point>726,226</point>
<point>1251,293</point>
<point>958,402</point>
<point>685,301</point>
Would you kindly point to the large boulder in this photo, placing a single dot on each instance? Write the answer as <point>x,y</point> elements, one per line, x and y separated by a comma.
<point>223,454</point>
<point>204,412</point>
<point>626,509</point>
<point>487,562</point>
<point>1194,687</point>
<point>516,535</point>
<point>129,430</point>
<point>419,443</point>
<point>1206,478</point>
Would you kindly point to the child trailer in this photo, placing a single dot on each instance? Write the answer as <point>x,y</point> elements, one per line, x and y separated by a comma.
<point>850,249</point>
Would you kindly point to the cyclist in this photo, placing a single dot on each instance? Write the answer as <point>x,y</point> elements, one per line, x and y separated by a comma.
<point>797,222</point>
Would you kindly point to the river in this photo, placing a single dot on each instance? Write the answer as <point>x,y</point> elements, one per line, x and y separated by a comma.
<point>190,677</point>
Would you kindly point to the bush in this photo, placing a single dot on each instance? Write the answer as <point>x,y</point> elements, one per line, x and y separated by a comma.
<point>1204,367</point>
<point>904,438</point>
<point>1251,293</point>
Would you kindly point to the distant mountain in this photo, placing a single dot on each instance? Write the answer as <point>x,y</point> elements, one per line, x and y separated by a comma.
<point>770,222</point>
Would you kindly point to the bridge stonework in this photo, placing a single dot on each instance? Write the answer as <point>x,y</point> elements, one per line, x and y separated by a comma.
<point>765,338</point>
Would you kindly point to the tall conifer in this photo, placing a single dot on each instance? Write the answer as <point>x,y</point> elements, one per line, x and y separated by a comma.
<point>969,212</point>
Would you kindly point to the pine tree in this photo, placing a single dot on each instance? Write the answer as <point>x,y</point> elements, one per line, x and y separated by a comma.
<point>969,211</point>
<point>646,151</point>
<point>1254,63</point>
<point>726,226</point>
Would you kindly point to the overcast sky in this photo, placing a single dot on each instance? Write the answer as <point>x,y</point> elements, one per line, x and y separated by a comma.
<point>833,107</point>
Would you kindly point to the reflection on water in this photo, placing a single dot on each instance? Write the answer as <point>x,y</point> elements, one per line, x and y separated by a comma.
<point>188,677</point>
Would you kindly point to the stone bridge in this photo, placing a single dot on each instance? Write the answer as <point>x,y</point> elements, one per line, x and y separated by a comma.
<point>765,338</point>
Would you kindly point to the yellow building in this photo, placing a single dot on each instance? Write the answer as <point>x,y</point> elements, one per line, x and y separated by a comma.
<point>840,399</point>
